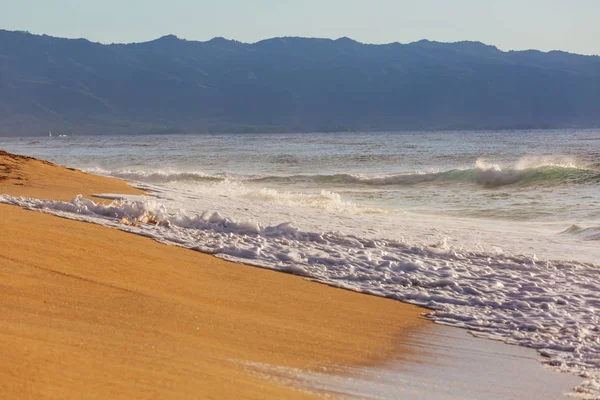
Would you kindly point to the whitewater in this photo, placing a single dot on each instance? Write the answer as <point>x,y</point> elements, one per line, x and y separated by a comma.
<point>496,232</point>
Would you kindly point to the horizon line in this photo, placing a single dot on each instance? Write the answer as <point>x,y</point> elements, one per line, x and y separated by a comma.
<point>293,37</point>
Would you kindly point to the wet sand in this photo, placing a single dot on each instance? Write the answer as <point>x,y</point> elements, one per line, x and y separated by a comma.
<point>450,365</point>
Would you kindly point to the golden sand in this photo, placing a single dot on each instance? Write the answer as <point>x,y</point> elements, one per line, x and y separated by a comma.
<point>92,312</point>
<point>26,176</point>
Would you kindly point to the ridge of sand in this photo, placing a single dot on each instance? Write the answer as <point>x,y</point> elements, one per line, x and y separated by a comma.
<point>92,312</point>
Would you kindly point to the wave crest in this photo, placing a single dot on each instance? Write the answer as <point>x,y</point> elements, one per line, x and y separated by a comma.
<point>159,176</point>
<point>526,172</point>
<point>591,233</point>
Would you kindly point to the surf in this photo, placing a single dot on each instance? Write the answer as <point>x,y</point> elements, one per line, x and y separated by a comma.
<point>483,174</point>
<point>589,233</point>
<point>520,299</point>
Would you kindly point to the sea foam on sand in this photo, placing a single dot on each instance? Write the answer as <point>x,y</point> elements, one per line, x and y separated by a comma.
<point>548,305</point>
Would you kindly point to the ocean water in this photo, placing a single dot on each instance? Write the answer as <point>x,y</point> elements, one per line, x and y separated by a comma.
<point>497,232</point>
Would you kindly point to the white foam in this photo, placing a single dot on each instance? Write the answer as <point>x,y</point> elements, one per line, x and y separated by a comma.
<point>325,200</point>
<point>230,186</point>
<point>549,305</point>
<point>158,176</point>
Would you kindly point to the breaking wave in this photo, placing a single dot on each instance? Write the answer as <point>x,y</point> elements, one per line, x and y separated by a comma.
<point>483,174</point>
<point>158,176</point>
<point>591,233</point>
<point>323,200</point>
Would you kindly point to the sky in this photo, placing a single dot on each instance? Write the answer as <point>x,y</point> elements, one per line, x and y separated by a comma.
<point>569,25</point>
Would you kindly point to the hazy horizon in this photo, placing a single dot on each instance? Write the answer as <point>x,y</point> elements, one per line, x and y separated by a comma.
<point>301,37</point>
<point>512,25</point>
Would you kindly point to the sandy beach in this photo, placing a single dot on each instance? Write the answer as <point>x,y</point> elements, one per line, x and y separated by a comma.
<point>92,312</point>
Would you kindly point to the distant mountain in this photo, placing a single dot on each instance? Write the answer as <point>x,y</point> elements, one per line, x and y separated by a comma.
<point>287,84</point>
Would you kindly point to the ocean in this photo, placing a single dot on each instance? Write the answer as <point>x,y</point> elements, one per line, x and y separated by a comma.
<point>497,232</point>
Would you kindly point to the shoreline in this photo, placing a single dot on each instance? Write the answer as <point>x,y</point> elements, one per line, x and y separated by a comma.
<point>100,311</point>
<point>313,328</point>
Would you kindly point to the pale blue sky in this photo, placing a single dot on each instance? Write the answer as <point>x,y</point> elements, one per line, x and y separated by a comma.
<point>570,25</point>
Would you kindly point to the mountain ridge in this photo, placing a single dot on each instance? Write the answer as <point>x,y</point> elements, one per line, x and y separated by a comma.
<point>287,84</point>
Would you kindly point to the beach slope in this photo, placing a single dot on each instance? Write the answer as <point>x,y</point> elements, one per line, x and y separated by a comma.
<point>92,312</point>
